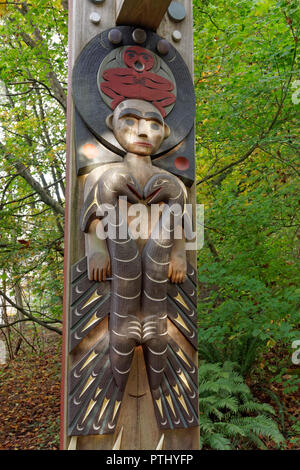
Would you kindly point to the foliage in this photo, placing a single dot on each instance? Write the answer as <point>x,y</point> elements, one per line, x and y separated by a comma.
<point>247,148</point>
<point>30,399</point>
<point>246,71</point>
<point>230,418</point>
<point>32,146</point>
<point>243,352</point>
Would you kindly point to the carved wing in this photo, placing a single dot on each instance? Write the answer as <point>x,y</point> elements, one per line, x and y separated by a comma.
<point>94,398</point>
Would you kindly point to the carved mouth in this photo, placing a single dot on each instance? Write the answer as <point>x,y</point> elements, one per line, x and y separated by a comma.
<point>134,191</point>
<point>151,196</point>
<point>144,144</point>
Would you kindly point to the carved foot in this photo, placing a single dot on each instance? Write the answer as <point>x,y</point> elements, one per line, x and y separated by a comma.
<point>154,338</point>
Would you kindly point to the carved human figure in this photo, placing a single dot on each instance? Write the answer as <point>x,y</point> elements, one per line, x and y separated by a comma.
<point>140,268</point>
<point>138,80</point>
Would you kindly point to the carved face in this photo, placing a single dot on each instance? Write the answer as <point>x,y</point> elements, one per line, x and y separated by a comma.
<point>137,58</point>
<point>138,127</point>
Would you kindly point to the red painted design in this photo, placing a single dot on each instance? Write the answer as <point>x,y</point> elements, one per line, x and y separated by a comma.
<point>90,151</point>
<point>136,81</point>
<point>182,163</point>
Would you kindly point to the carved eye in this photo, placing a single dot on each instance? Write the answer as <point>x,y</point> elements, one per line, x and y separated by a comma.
<point>129,122</point>
<point>160,182</point>
<point>155,126</point>
<point>146,57</point>
<point>131,55</point>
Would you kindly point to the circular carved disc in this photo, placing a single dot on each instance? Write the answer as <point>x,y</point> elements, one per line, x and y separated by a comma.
<point>176,11</point>
<point>93,109</point>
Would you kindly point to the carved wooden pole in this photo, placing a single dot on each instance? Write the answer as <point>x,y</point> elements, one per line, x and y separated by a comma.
<point>130,308</point>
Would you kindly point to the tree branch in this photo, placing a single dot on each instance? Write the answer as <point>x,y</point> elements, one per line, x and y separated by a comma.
<point>263,133</point>
<point>29,316</point>
<point>58,90</point>
<point>230,165</point>
<point>24,173</point>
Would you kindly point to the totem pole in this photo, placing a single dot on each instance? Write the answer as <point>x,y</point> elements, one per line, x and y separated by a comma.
<point>130,308</point>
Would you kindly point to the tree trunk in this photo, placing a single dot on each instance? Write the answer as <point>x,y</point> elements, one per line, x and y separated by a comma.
<point>20,316</point>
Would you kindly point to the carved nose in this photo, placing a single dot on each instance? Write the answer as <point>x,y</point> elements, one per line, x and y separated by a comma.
<point>143,128</point>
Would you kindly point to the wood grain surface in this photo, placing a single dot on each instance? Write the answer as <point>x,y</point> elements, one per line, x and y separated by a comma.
<point>137,418</point>
<point>145,13</point>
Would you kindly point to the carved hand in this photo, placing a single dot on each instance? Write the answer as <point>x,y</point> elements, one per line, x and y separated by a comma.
<point>99,267</point>
<point>177,267</point>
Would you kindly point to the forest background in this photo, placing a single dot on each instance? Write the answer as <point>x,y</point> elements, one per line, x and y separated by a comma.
<point>247,85</point>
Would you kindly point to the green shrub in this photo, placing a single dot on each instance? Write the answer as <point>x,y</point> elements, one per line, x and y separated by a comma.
<point>244,352</point>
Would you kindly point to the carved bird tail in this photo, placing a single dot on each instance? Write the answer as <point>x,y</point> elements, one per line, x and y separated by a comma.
<point>94,397</point>
<point>176,399</point>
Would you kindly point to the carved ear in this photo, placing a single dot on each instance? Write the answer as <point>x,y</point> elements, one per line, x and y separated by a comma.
<point>167,131</point>
<point>109,121</point>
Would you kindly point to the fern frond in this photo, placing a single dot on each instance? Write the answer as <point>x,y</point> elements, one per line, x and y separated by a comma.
<point>219,442</point>
<point>252,406</point>
<point>230,430</point>
<point>261,425</point>
<point>252,437</point>
<point>227,407</point>
<point>231,403</point>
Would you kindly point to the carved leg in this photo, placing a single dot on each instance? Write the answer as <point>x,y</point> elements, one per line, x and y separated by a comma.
<point>156,258</point>
<point>109,92</point>
<point>124,325</point>
<point>163,103</point>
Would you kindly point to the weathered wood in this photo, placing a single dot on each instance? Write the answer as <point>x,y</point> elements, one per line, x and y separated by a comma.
<point>185,48</point>
<point>180,142</point>
<point>137,425</point>
<point>81,30</point>
<point>146,13</point>
<point>184,439</point>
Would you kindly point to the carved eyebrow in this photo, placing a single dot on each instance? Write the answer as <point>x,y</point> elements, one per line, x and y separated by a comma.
<point>138,114</point>
<point>153,115</point>
<point>131,112</point>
